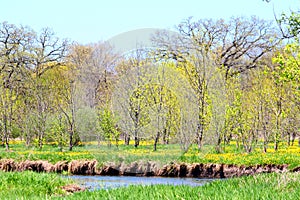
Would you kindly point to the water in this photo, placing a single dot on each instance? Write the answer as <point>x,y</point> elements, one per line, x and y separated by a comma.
<point>109,182</point>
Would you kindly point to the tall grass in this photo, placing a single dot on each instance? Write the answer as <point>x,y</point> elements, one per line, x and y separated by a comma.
<point>30,185</point>
<point>263,186</point>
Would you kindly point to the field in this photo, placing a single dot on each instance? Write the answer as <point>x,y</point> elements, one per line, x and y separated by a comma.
<point>165,154</point>
<point>31,185</point>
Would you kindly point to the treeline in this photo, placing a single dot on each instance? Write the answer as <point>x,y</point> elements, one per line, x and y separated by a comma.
<point>212,82</point>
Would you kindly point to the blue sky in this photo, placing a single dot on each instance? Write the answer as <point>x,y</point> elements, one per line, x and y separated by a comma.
<point>95,20</point>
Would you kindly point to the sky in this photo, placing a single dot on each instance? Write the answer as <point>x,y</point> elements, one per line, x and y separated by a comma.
<point>91,21</point>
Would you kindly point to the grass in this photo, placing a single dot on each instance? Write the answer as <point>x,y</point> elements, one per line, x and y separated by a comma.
<point>263,186</point>
<point>30,185</point>
<point>287,155</point>
<point>165,154</point>
<point>51,153</point>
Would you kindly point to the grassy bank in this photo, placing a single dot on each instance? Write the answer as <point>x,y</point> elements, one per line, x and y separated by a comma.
<point>165,154</point>
<point>30,185</point>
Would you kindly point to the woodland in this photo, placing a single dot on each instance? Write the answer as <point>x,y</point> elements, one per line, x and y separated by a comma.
<point>212,82</point>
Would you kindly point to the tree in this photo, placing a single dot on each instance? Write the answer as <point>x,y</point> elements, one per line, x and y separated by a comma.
<point>286,74</point>
<point>153,104</point>
<point>289,25</point>
<point>15,43</point>
<point>93,64</point>
<point>107,125</point>
<point>235,46</point>
<point>57,129</point>
<point>91,77</point>
<point>244,44</point>
<point>47,52</point>
<point>192,51</point>
<point>61,92</point>
<point>132,77</point>
<point>219,101</point>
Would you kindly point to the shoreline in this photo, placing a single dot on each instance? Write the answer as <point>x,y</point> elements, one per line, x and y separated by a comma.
<point>150,168</point>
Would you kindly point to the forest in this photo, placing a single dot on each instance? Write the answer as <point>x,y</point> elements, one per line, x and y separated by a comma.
<point>213,82</point>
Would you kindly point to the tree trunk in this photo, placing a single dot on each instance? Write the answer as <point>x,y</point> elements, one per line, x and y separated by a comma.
<point>136,142</point>
<point>166,136</point>
<point>6,136</point>
<point>199,136</point>
<point>293,138</point>
<point>5,133</point>
<point>278,124</point>
<point>218,146</point>
<point>136,138</point>
<point>127,139</point>
<point>200,133</point>
<point>71,141</point>
<point>156,141</point>
<point>265,139</point>
<point>40,142</point>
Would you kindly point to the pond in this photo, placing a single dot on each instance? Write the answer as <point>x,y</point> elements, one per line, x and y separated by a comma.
<point>109,182</point>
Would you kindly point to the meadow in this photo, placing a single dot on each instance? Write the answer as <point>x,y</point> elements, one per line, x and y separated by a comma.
<point>165,154</point>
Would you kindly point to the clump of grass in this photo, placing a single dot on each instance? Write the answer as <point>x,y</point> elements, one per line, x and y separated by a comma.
<point>31,185</point>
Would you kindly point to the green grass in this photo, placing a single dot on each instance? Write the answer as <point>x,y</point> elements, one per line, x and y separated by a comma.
<point>30,185</point>
<point>285,155</point>
<point>263,186</point>
<point>165,154</point>
<point>128,154</point>
<point>51,153</point>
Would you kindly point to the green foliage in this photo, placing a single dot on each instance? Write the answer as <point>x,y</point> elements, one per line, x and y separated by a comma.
<point>107,125</point>
<point>291,22</point>
<point>57,131</point>
<point>288,64</point>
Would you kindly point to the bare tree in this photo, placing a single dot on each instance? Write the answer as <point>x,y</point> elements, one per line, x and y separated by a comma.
<point>235,46</point>
<point>92,77</point>
<point>48,52</point>
<point>15,43</point>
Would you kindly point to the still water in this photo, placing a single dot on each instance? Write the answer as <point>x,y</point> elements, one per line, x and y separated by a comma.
<point>108,182</point>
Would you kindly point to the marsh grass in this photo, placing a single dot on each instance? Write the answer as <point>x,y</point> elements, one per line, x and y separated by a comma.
<point>31,185</point>
<point>263,186</point>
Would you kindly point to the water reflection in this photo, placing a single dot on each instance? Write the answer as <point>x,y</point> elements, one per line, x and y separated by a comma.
<point>108,182</point>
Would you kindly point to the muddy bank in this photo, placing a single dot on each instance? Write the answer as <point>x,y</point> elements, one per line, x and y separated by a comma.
<point>196,170</point>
